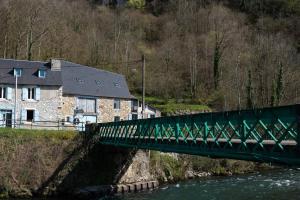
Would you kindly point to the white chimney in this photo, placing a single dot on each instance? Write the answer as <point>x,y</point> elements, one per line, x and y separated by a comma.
<point>55,65</point>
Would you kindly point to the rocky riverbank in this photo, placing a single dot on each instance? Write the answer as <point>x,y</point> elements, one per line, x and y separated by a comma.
<point>170,167</point>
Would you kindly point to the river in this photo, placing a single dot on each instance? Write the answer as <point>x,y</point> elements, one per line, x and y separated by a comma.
<point>275,185</point>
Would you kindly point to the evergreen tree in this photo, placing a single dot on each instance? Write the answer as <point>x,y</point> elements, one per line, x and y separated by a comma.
<point>274,94</point>
<point>249,91</point>
<point>279,84</point>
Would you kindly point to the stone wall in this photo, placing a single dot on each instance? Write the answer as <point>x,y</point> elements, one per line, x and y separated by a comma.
<point>69,105</point>
<point>105,108</point>
<point>48,106</point>
<point>107,111</point>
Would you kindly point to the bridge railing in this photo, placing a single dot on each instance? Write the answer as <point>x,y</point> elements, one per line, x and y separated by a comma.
<point>261,131</point>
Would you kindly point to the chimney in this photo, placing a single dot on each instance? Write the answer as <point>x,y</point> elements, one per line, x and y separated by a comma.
<point>55,65</point>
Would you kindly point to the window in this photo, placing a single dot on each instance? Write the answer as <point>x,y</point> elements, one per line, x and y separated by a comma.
<point>2,92</point>
<point>30,115</point>
<point>152,116</point>
<point>87,105</point>
<point>134,105</point>
<point>42,73</point>
<point>117,104</point>
<point>134,116</point>
<point>31,93</point>
<point>117,118</point>
<point>17,72</point>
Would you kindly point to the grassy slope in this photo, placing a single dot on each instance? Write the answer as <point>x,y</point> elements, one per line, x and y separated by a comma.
<point>19,133</point>
<point>169,106</point>
<point>29,157</point>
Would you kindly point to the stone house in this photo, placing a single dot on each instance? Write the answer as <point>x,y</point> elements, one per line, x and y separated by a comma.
<point>61,91</point>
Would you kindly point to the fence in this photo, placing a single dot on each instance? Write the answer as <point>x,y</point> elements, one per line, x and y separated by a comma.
<point>51,125</point>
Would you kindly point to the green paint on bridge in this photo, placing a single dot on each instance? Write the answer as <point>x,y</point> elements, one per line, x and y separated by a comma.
<point>264,135</point>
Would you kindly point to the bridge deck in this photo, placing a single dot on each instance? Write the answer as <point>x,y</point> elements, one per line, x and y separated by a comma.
<point>221,140</point>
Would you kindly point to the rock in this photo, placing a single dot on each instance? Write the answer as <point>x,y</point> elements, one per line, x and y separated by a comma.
<point>138,170</point>
<point>203,174</point>
<point>189,174</point>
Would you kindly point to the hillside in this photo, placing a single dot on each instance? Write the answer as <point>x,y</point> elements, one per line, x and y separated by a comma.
<point>226,54</point>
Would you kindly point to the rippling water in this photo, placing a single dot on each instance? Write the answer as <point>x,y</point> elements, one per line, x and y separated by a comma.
<point>275,185</point>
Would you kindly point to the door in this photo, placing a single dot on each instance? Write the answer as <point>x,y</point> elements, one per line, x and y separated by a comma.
<point>8,122</point>
<point>5,118</point>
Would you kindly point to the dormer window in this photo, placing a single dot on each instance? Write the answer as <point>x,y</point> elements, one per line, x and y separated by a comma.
<point>99,83</point>
<point>117,85</point>
<point>80,81</point>
<point>42,73</point>
<point>18,72</point>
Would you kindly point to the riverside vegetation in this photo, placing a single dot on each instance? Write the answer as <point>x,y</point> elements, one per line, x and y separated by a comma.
<point>47,163</point>
<point>176,167</point>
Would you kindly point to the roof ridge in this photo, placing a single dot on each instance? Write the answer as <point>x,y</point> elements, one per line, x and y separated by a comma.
<point>23,60</point>
<point>94,68</point>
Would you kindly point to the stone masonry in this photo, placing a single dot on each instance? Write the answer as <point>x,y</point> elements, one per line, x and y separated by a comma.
<point>48,106</point>
<point>105,108</point>
<point>107,111</point>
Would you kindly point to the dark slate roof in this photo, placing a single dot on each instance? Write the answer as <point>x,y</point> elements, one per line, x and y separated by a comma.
<point>29,73</point>
<point>88,81</point>
<point>76,79</point>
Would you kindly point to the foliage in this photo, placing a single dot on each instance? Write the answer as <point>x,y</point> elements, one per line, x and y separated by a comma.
<point>279,84</point>
<point>194,49</point>
<point>249,91</point>
<point>27,133</point>
<point>138,4</point>
<point>171,106</point>
<point>220,166</point>
<point>173,167</point>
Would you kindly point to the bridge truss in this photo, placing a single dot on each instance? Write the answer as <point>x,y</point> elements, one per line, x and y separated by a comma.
<point>264,135</point>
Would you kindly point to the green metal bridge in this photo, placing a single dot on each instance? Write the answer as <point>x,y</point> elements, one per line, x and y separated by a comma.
<point>264,135</point>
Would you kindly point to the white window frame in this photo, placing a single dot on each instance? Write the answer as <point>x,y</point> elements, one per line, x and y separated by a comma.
<point>18,72</point>
<point>42,71</point>
<point>2,92</point>
<point>29,94</point>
